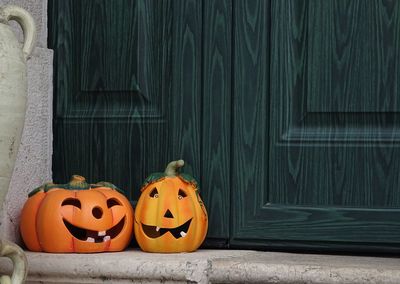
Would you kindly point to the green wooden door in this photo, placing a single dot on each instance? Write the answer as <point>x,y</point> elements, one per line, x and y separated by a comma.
<point>285,110</point>
<point>316,124</point>
<point>138,84</point>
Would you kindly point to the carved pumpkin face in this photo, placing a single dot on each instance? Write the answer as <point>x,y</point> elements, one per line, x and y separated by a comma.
<point>170,216</point>
<point>77,217</point>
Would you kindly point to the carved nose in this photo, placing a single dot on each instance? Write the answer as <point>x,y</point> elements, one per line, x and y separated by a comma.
<point>168,214</point>
<point>97,212</point>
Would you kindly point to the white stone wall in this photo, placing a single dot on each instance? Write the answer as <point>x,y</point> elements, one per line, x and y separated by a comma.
<point>33,166</point>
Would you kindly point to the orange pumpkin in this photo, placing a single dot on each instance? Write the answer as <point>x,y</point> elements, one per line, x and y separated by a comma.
<point>170,215</point>
<point>77,217</point>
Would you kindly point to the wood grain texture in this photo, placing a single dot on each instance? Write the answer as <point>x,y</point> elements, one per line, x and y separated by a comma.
<point>330,224</point>
<point>216,113</point>
<point>352,54</point>
<point>250,109</point>
<point>109,45</point>
<point>272,104</point>
<point>86,37</point>
<point>110,135</point>
<point>107,129</point>
<point>310,167</point>
<point>383,249</point>
<point>199,120</point>
<point>331,176</point>
<point>184,118</point>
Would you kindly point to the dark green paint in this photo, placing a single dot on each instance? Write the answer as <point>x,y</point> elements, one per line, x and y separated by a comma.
<point>285,110</point>
<point>350,50</point>
<point>216,169</point>
<point>138,84</point>
<point>250,131</point>
<point>111,47</point>
<point>329,125</point>
<point>330,155</point>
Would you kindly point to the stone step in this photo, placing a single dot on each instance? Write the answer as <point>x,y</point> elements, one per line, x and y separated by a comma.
<point>209,266</point>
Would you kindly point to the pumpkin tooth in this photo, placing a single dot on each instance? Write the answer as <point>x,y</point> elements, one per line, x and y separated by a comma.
<point>106,238</point>
<point>183,234</point>
<point>90,240</point>
<point>101,233</point>
<point>158,229</point>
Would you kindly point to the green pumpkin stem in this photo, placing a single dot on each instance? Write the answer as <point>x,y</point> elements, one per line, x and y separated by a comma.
<point>78,182</point>
<point>172,168</point>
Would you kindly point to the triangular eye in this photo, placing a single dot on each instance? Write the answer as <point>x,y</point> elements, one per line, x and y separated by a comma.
<point>154,193</point>
<point>72,201</point>
<point>112,202</point>
<point>181,194</point>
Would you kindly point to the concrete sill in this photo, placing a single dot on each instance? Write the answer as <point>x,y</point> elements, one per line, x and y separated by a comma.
<point>208,266</point>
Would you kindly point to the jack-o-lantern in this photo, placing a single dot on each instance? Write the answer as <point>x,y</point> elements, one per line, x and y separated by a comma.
<point>170,215</point>
<point>77,217</point>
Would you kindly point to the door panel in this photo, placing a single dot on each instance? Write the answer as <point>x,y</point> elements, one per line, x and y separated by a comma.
<point>333,128</point>
<point>109,105</point>
<point>110,48</point>
<point>134,89</point>
<point>327,156</point>
<point>348,51</point>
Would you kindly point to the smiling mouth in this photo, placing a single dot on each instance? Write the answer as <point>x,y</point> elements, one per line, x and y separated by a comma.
<point>94,236</point>
<point>155,232</point>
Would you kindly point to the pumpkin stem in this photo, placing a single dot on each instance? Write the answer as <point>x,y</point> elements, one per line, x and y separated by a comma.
<point>78,182</point>
<point>172,168</point>
<point>77,178</point>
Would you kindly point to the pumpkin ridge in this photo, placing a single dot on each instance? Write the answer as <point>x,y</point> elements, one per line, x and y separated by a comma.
<point>112,215</point>
<point>112,222</point>
<point>36,220</point>
<point>201,203</point>
<point>195,228</point>
<point>72,238</point>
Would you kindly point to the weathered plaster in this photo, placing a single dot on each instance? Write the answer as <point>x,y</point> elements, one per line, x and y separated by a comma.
<point>33,165</point>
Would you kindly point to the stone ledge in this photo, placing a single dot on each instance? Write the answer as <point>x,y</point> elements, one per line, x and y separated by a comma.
<point>208,266</point>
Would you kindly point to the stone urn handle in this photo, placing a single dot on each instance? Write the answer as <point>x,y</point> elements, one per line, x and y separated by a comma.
<point>22,17</point>
<point>18,258</point>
